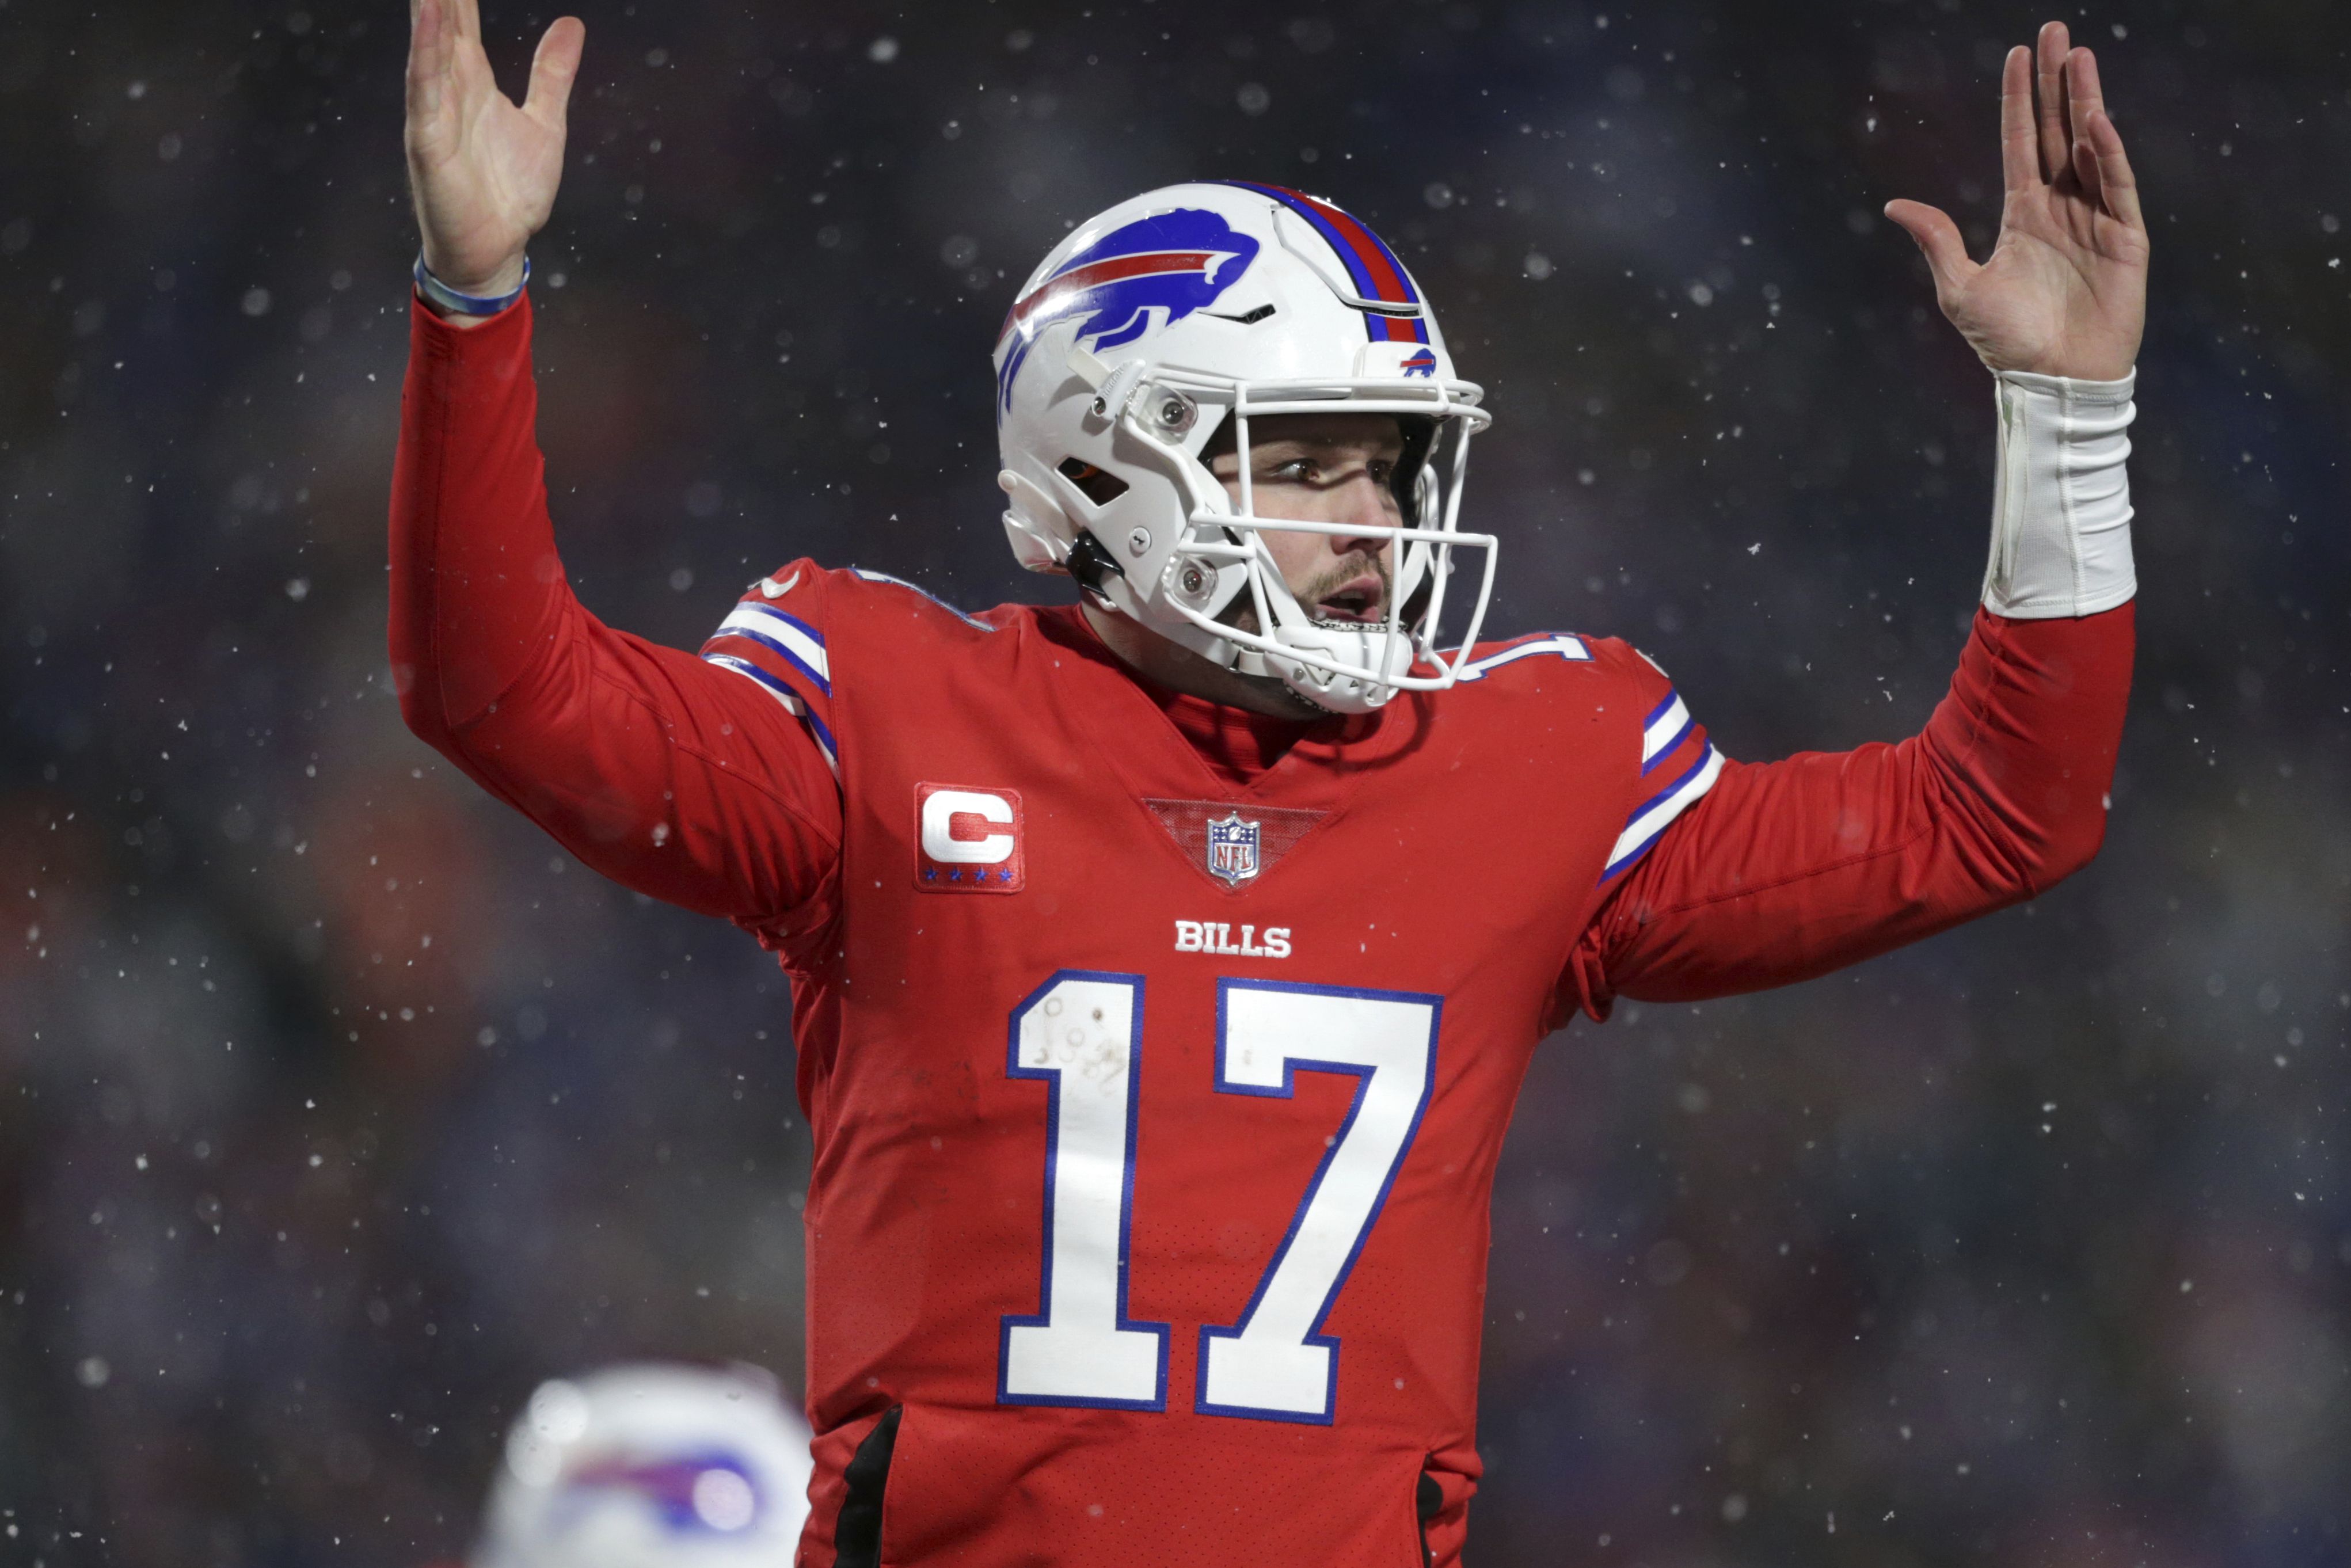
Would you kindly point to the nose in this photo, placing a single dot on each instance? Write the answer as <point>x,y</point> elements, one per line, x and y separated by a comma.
<point>1368,504</point>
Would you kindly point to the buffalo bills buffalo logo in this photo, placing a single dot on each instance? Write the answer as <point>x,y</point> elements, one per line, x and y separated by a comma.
<point>1146,274</point>
<point>1423,363</point>
<point>705,1492</point>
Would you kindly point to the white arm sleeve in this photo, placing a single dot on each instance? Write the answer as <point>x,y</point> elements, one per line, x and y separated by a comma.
<point>2060,505</point>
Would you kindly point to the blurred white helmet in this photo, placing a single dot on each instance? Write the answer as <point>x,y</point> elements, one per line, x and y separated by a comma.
<point>1134,342</point>
<point>651,1467</point>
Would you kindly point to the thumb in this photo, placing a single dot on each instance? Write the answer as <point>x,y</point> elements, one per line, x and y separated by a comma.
<point>553,69</point>
<point>1938,240</point>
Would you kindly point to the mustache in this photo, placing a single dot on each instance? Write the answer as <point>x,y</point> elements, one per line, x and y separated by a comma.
<point>1345,570</point>
<point>1241,615</point>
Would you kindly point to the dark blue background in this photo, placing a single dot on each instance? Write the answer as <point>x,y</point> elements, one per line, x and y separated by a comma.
<point>2027,1246</point>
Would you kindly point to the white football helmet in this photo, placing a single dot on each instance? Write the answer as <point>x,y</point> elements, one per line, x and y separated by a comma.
<point>651,1466</point>
<point>1131,345</point>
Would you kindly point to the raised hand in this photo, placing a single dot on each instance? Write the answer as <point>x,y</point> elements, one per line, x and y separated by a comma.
<point>2064,292</point>
<point>482,170</point>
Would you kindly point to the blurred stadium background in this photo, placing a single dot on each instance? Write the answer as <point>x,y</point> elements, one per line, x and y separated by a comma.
<point>336,1107</point>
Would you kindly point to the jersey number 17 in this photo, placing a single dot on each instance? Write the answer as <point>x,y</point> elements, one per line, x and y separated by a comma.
<point>1081,1034</point>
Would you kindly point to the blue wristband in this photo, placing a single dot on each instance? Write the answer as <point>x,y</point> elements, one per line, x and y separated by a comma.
<point>439,293</point>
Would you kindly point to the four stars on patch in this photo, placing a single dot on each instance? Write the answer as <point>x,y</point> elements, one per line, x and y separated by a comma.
<point>979,873</point>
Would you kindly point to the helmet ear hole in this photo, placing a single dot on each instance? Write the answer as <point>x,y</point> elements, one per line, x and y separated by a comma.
<point>1097,485</point>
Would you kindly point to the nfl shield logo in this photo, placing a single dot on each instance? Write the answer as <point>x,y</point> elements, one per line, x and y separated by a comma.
<point>1232,848</point>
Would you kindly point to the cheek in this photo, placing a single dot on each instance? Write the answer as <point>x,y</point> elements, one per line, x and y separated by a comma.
<point>1294,553</point>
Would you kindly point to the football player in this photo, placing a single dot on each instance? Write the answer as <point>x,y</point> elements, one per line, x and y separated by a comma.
<point>1164,965</point>
<point>650,1466</point>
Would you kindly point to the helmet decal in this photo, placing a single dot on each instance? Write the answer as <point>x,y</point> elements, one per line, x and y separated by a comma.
<point>712,1491</point>
<point>1371,265</point>
<point>1173,263</point>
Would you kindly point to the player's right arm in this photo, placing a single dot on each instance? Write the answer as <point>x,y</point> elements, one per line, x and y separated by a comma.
<point>676,777</point>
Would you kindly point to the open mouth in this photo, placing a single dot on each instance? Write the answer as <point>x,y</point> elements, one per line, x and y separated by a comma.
<point>1353,603</point>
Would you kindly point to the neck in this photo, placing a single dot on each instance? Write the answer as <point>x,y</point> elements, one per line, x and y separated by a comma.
<point>1176,667</point>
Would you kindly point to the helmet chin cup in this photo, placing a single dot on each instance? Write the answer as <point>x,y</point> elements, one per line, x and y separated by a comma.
<point>1372,648</point>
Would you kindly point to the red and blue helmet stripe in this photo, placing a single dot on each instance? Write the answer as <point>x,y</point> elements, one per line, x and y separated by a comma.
<point>1371,265</point>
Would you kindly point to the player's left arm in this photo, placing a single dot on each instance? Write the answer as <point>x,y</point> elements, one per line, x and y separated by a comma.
<point>1783,871</point>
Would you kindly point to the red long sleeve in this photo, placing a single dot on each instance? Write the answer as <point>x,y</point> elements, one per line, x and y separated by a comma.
<point>1788,870</point>
<point>674,777</point>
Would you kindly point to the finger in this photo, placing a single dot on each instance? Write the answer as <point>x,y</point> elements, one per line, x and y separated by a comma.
<point>2085,172</point>
<point>1938,240</point>
<point>2049,68</point>
<point>428,56</point>
<point>2081,101</point>
<point>553,71</point>
<point>465,20</point>
<point>2020,157</point>
<point>2117,186</point>
<point>2084,93</point>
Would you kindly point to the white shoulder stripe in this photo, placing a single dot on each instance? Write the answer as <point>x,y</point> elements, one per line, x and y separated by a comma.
<point>1664,729</point>
<point>782,633</point>
<point>1652,818</point>
<point>792,704</point>
<point>775,689</point>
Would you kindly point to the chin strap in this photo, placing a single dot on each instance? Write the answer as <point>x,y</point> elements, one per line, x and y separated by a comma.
<point>1092,565</point>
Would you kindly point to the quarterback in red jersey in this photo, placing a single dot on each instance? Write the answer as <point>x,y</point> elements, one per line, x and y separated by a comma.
<point>1153,1152</point>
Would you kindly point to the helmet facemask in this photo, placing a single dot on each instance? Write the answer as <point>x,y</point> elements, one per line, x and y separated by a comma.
<point>1222,565</point>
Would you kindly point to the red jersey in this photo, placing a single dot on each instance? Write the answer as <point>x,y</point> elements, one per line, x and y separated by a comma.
<point>1157,1105</point>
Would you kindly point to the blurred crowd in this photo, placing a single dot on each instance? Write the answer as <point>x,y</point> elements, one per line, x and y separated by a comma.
<point>339,1108</point>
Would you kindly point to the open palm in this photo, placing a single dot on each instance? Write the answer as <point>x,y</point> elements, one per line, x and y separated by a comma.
<point>482,170</point>
<point>2065,291</point>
